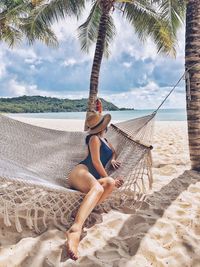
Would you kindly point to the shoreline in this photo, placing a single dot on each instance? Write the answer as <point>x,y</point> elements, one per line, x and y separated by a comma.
<point>76,124</point>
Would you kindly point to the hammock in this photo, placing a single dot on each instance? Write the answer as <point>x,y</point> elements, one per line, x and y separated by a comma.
<point>35,163</point>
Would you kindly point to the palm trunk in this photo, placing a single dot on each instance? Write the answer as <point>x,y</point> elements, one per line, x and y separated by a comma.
<point>94,78</point>
<point>192,55</point>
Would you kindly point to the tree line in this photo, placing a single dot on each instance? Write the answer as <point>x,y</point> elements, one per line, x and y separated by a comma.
<point>35,104</point>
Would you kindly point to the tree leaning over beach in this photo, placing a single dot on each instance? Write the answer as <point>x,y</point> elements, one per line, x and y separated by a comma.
<point>159,19</point>
<point>192,65</point>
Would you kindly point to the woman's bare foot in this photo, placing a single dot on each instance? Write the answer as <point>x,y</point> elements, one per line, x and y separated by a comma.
<point>119,182</point>
<point>73,239</point>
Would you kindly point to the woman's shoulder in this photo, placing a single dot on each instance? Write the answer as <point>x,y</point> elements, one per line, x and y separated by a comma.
<point>92,138</point>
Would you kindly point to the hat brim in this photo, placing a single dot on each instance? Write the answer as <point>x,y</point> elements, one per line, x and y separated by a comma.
<point>102,126</point>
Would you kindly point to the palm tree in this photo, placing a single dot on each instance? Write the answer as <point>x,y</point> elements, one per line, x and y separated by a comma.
<point>158,19</point>
<point>192,54</point>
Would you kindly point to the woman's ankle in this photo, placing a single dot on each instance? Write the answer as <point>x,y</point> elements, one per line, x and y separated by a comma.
<point>76,227</point>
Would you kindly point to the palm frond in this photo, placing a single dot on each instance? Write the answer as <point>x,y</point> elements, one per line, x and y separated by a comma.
<point>34,18</point>
<point>149,20</point>
<point>11,36</point>
<point>88,31</point>
<point>173,11</point>
<point>52,11</point>
<point>36,30</point>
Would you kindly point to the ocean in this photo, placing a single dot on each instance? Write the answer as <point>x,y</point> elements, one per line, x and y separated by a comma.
<point>162,115</point>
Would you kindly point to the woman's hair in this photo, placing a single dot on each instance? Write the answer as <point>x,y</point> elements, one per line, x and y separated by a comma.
<point>87,139</point>
<point>89,135</point>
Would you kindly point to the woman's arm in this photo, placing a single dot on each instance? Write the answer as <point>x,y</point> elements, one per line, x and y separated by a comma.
<point>94,145</point>
<point>115,163</point>
<point>114,152</point>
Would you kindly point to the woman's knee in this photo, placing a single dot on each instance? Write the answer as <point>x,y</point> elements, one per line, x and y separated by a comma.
<point>98,188</point>
<point>110,181</point>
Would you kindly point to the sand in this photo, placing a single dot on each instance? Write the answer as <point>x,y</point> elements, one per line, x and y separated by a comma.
<point>165,231</point>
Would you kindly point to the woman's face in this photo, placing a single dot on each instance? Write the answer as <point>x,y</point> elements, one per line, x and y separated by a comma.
<point>105,130</point>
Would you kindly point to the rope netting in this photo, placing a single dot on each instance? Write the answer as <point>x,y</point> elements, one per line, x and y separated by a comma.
<point>35,163</point>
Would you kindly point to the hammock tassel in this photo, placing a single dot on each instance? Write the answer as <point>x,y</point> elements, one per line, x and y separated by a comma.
<point>29,221</point>
<point>63,221</point>
<point>35,221</point>
<point>6,217</point>
<point>56,223</point>
<point>17,222</point>
<point>55,218</point>
<point>44,219</point>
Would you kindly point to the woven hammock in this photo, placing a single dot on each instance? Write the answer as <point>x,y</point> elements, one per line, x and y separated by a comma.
<point>35,163</point>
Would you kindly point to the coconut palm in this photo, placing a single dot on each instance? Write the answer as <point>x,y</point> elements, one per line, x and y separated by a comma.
<point>192,52</point>
<point>159,20</point>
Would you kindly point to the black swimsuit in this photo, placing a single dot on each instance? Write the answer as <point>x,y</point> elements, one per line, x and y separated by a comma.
<point>105,155</point>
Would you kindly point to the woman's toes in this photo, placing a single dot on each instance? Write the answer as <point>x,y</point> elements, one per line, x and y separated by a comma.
<point>73,238</point>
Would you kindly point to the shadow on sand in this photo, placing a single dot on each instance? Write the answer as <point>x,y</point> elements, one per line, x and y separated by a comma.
<point>140,222</point>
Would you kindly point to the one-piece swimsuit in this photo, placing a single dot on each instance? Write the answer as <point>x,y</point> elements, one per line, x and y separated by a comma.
<point>105,155</point>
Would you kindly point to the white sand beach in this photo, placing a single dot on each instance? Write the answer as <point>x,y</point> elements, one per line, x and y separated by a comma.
<point>165,231</point>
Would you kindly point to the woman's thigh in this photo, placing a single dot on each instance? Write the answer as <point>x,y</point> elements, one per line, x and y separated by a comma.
<point>81,179</point>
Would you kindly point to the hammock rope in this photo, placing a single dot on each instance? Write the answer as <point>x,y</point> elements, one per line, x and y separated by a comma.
<point>186,74</point>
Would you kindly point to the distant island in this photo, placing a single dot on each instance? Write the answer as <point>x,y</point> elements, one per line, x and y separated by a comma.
<point>37,104</point>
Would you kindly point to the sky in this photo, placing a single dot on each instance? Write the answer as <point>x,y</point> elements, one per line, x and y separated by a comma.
<point>134,76</point>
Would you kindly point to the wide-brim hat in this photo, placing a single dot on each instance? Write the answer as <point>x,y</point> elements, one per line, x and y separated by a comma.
<point>97,122</point>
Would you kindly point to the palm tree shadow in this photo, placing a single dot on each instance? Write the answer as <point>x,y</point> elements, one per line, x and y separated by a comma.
<point>141,220</point>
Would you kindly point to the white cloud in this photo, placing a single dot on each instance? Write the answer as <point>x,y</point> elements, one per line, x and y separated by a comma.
<point>147,97</point>
<point>69,62</point>
<point>24,53</point>
<point>2,64</point>
<point>2,69</point>
<point>17,88</point>
<point>127,64</point>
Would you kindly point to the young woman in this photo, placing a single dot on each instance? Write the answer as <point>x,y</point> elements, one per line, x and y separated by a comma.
<point>89,176</point>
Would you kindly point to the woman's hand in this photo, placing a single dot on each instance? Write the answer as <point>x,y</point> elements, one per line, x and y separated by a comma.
<point>119,181</point>
<point>116,164</point>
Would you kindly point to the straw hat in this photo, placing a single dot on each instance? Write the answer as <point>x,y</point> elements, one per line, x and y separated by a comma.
<point>97,122</point>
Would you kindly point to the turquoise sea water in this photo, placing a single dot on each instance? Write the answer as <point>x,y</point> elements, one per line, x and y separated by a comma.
<point>162,115</point>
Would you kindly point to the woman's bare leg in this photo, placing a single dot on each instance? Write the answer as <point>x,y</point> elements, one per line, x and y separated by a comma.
<point>85,182</point>
<point>108,184</point>
<point>73,234</point>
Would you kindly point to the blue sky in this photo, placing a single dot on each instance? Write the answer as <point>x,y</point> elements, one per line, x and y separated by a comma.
<point>133,76</point>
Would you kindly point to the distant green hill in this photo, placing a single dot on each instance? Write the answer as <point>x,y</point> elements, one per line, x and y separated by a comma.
<point>33,104</point>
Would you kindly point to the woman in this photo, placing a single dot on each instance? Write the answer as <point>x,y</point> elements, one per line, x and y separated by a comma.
<point>89,176</point>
